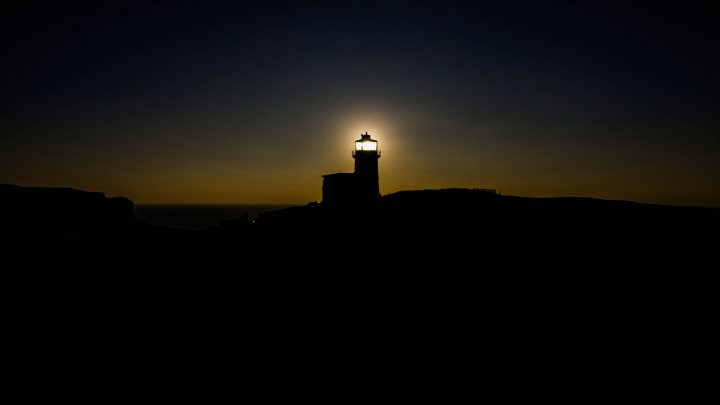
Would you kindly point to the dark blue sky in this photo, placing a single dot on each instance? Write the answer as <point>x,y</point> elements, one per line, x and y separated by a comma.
<point>250,102</point>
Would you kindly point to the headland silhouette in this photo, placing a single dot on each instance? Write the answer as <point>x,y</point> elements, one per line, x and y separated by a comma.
<point>353,219</point>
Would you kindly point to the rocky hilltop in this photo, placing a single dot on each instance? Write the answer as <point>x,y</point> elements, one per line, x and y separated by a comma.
<point>452,225</point>
<point>63,211</point>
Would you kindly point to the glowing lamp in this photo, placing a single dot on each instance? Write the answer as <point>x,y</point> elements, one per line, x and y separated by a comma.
<point>365,144</point>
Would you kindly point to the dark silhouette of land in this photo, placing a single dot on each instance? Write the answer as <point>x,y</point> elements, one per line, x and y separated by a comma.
<point>449,226</point>
<point>527,275</point>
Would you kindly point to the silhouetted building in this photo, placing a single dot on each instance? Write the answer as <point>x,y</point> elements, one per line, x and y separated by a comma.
<point>360,187</point>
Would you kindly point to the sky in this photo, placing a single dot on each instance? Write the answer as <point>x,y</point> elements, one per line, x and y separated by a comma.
<point>251,102</point>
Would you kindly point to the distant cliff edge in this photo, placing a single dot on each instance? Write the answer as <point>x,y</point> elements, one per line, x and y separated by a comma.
<point>48,210</point>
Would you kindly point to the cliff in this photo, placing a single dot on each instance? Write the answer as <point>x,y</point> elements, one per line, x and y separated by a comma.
<point>63,211</point>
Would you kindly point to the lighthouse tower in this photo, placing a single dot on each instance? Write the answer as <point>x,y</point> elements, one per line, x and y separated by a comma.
<point>348,190</point>
<point>366,155</point>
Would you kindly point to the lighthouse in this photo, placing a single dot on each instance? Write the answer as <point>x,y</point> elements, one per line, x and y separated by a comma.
<point>366,155</point>
<point>360,187</point>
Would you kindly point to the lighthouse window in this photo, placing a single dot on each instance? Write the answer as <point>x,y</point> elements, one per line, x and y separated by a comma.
<point>365,145</point>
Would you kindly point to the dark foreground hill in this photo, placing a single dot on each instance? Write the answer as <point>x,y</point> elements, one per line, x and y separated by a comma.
<point>457,271</point>
<point>451,225</point>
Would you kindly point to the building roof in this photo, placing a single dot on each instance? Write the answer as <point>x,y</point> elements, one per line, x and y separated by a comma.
<point>339,175</point>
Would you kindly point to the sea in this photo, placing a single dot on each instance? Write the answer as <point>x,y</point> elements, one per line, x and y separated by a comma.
<point>192,216</point>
